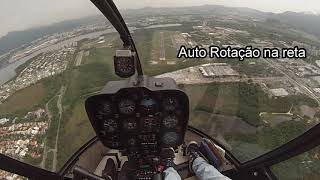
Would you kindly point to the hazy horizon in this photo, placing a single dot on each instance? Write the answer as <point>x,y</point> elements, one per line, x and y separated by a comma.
<point>37,13</point>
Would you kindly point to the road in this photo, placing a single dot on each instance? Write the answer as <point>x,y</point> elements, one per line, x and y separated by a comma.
<point>45,148</point>
<point>55,150</point>
<point>292,78</point>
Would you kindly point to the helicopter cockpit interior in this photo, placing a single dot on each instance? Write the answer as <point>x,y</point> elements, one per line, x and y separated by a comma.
<point>139,121</point>
<point>137,117</point>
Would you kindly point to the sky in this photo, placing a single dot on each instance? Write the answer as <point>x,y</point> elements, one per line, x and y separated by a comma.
<point>23,14</point>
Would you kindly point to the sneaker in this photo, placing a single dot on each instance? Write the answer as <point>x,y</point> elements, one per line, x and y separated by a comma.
<point>167,156</point>
<point>193,152</point>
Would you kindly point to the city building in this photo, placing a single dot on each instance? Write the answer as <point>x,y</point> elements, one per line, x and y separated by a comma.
<point>217,70</point>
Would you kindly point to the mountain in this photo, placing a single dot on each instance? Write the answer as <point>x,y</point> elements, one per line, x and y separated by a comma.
<point>308,22</point>
<point>15,39</point>
<point>311,13</point>
<point>203,10</point>
<point>305,21</point>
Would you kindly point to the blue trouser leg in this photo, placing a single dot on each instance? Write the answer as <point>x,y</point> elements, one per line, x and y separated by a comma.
<point>205,171</point>
<point>171,174</point>
<point>202,169</point>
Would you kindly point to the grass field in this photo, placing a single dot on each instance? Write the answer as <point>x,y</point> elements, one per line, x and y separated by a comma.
<point>74,133</point>
<point>214,98</point>
<point>91,76</point>
<point>52,131</point>
<point>48,165</point>
<point>302,167</point>
<point>230,111</point>
<point>24,99</point>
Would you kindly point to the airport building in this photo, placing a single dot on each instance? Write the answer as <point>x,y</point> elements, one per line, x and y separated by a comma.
<point>280,92</point>
<point>217,70</point>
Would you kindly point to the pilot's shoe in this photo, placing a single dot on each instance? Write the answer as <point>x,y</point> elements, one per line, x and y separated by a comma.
<point>110,170</point>
<point>167,156</point>
<point>193,152</point>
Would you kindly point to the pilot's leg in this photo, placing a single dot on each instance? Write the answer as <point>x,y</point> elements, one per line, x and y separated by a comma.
<point>167,156</point>
<point>171,174</point>
<point>202,169</point>
<point>205,171</point>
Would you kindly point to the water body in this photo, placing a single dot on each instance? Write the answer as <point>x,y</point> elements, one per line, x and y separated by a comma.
<point>8,72</point>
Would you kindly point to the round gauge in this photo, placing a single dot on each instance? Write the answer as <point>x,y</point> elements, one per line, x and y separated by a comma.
<point>148,105</point>
<point>124,66</point>
<point>132,142</point>
<point>170,121</point>
<point>127,106</point>
<point>150,122</point>
<point>170,103</point>
<point>170,138</point>
<point>110,125</point>
<point>130,124</point>
<point>105,109</point>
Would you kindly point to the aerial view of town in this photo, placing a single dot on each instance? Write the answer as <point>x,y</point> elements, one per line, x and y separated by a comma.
<point>251,106</point>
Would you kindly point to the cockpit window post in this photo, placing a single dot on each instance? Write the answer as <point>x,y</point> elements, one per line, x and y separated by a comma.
<point>111,12</point>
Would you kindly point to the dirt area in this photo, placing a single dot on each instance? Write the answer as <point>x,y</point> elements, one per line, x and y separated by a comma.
<point>307,111</point>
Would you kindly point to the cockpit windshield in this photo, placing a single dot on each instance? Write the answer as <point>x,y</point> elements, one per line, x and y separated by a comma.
<point>251,71</point>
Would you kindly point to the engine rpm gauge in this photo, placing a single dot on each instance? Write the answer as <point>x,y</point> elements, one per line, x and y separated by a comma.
<point>170,103</point>
<point>170,121</point>
<point>110,125</point>
<point>127,106</point>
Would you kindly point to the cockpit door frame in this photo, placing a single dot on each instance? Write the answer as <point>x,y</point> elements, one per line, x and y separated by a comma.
<point>249,169</point>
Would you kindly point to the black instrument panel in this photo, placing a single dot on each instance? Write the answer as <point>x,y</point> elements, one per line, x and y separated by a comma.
<point>139,120</point>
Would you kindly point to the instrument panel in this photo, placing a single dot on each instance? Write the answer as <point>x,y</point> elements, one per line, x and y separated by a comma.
<point>138,120</point>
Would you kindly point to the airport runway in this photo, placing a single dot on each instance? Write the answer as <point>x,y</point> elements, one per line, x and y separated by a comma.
<point>162,48</point>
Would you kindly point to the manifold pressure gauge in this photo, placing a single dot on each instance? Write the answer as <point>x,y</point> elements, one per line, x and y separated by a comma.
<point>124,63</point>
